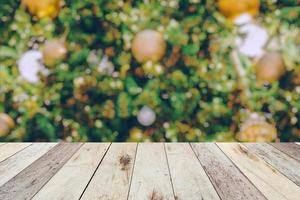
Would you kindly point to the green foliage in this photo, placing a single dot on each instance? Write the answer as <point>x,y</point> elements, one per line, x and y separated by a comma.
<point>196,97</point>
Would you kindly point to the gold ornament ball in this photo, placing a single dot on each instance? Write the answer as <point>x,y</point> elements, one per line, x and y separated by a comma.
<point>257,130</point>
<point>54,51</point>
<point>6,124</point>
<point>234,8</point>
<point>270,67</point>
<point>148,45</point>
<point>42,8</point>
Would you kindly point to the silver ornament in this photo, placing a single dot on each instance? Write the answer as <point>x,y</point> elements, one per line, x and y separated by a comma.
<point>30,65</point>
<point>106,66</point>
<point>253,44</point>
<point>146,116</point>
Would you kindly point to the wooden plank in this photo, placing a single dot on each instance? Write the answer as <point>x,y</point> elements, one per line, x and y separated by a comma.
<point>74,176</point>
<point>151,178</point>
<point>21,160</point>
<point>188,177</point>
<point>28,182</point>
<point>282,162</point>
<point>291,149</point>
<point>10,149</point>
<point>229,182</point>
<point>267,179</point>
<point>112,179</point>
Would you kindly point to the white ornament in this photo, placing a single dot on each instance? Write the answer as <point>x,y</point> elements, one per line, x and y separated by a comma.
<point>106,66</point>
<point>146,116</point>
<point>242,19</point>
<point>30,65</point>
<point>256,38</point>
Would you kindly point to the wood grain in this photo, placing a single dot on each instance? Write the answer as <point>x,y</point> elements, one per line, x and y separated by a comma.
<point>229,182</point>
<point>266,178</point>
<point>282,162</point>
<point>151,178</point>
<point>291,149</point>
<point>28,182</point>
<point>188,177</point>
<point>74,176</point>
<point>112,179</point>
<point>16,163</point>
<point>10,149</point>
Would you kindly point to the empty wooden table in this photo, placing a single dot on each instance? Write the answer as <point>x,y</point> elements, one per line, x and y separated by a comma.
<point>150,171</point>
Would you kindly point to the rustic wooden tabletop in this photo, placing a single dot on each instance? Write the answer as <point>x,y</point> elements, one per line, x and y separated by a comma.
<point>150,171</point>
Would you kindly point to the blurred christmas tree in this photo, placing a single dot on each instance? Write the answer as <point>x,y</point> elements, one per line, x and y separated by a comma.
<point>165,70</point>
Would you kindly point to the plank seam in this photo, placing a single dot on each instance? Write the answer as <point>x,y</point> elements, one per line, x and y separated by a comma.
<point>204,170</point>
<point>240,170</point>
<point>169,171</point>
<point>276,168</point>
<point>56,171</point>
<point>95,171</point>
<point>15,152</point>
<point>136,149</point>
<point>284,152</point>
<point>28,165</point>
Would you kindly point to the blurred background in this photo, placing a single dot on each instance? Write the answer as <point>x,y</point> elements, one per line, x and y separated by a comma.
<point>151,70</point>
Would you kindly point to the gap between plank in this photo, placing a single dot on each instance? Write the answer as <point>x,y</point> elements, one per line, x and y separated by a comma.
<point>240,170</point>
<point>136,149</point>
<point>169,171</point>
<point>28,165</point>
<point>278,170</point>
<point>204,170</point>
<point>283,151</point>
<point>95,171</point>
<point>57,170</point>
<point>15,152</point>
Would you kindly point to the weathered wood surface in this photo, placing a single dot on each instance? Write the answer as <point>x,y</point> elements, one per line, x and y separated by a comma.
<point>150,171</point>
<point>289,148</point>
<point>265,177</point>
<point>282,162</point>
<point>7,150</point>
<point>112,179</point>
<point>73,177</point>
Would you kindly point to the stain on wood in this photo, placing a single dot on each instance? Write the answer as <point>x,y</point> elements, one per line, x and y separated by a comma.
<point>112,178</point>
<point>125,161</point>
<point>156,196</point>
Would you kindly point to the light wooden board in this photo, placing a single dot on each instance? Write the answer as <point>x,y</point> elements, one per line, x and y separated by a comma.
<point>151,178</point>
<point>28,182</point>
<point>21,160</point>
<point>74,176</point>
<point>112,179</point>
<point>10,149</point>
<point>149,171</point>
<point>266,178</point>
<point>282,162</point>
<point>188,177</point>
<point>229,182</point>
<point>289,148</point>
